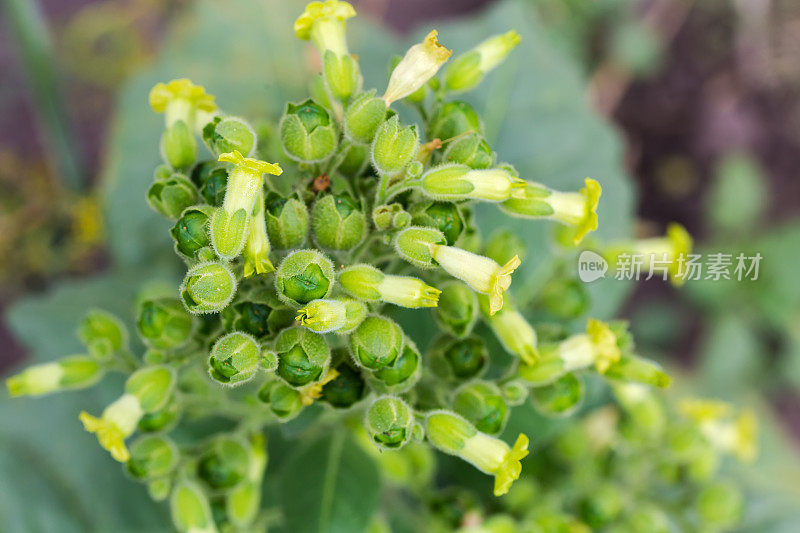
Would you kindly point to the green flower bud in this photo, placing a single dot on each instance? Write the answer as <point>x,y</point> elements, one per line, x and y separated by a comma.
<point>152,456</point>
<point>268,361</point>
<point>453,505</point>
<point>346,389</point>
<point>720,505</point>
<point>388,422</point>
<point>246,316</point>
<point>214,189</point>
<point>376,342</point>
<point>460,182</point>
<point>515,392</point>
<point>403,372</point>
<point>223,135</point>
<point>337,221</point>
<point>603,505</point>
<point>159,489</point>
<point>342,75</point>
<point>394,147</point>
<point>370,284</point>
<point>164,323</point>
<point>647,518</point>
<point>178,146</point>
<point>284,401</point>
<point>503,245</point>
<point>415,245</point>
<point>454,119</point>
<point>461,359</point>
<point>363,117</point>
<point>559,398</point>
<point>102,333</point>
<point>444,216</point>
<point>234,359</point>
<point>303,356</point>
<point>190,510</point>
<point>307,132</point>
<point>152,386</point>
<point>190,232</point>
<point>244,501</point>
<point>208,288</point>
<point>471,150</point>
<point>392,216</point>
<point>304,275</point>
<point>632,368</point>
<point>75,372</point>
<point>230,224</point>
<point>171,196</point>
<point>159,420</point>
<point>641,405</point>
<point>468,69</point>
<point>224,463</point>
<point>352,159</point>
<point>287,221</point>
<point>482,403</point>
<point>457,309</point>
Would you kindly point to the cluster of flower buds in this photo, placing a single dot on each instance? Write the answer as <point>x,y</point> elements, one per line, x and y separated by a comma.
<point>293,285</point>
<point>642,466</point>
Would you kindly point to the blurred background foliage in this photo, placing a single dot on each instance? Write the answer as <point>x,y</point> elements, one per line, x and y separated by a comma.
<point>684,110</point>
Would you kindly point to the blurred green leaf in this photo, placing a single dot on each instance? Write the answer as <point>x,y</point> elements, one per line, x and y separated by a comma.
<point>738,196</point>
<point>331,485</point>
<point>732,357</point>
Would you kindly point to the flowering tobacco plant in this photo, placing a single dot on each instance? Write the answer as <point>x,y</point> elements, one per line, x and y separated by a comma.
<point>295,269</point>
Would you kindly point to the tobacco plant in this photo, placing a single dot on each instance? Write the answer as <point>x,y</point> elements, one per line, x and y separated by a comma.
<point>294,272</point>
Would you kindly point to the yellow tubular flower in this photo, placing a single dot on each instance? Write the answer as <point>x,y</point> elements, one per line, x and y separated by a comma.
<point>454,435</point>
<point>419,65</point>
<point>180,100</point>
<point>118,422</point>
<point>484,275</point>
<point>576,209</point>
<point>324,24</point>
<point>674,247</point>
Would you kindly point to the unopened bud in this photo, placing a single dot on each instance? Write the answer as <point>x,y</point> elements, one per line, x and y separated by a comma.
<point>234,359</point>
<point>337,222</point>
<point>304,275</point>
<point>394,147</point>
<point>208,288</point>
<point>308,133</point>
<point>388,421</point>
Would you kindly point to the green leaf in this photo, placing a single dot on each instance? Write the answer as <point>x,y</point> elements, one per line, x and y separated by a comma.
<point>331,486</point>
<point>738,196</point>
